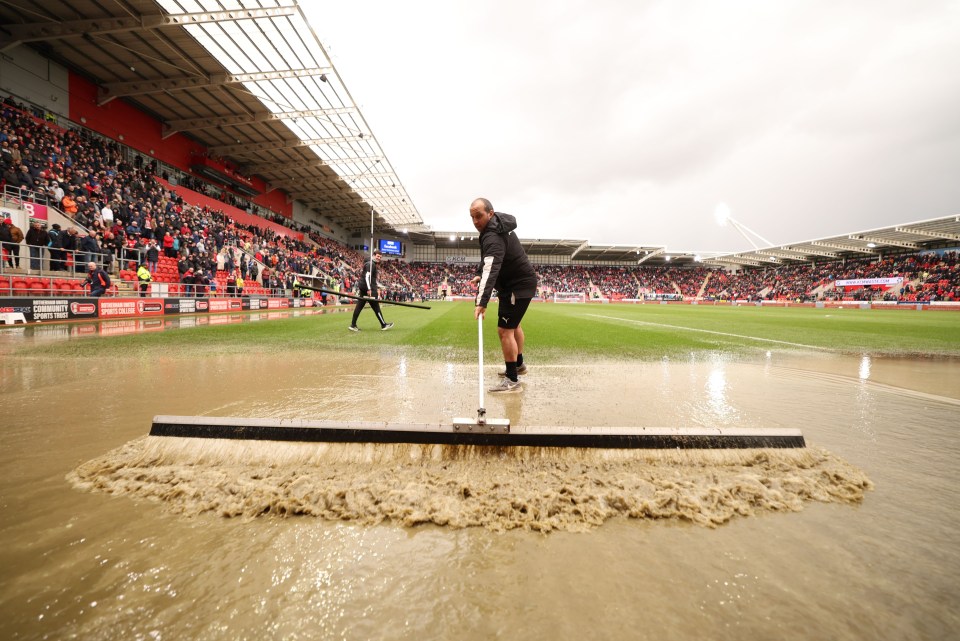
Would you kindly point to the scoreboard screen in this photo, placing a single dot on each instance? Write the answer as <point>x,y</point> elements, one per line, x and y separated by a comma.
<point>392,247</point>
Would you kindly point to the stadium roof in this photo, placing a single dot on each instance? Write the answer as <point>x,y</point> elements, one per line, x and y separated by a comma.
<point>578,250</point>
<point>916,236</point>
<point>254,85</point>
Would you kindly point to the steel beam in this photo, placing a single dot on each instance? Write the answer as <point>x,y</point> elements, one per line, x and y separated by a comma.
<point>737,261</point>
<point>582,246</point>
<point>811,252</point>
<point>929,234</point>
<point>650,255</point>
<point>110,91</point>
<point>255,146</point>
<point>849,248</point>
<point>191,124</point>
<point>886,241</point>
<point>783,255</point>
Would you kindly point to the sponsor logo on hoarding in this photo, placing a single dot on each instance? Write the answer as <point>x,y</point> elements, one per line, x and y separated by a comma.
<point>51,309</point>
<point>201,305</point>
<point>149,307</point>
<point>219,305</point>
<point>188,306</point>
<point>15,309</point>
<point>83,309</point>
<point>118,308</point>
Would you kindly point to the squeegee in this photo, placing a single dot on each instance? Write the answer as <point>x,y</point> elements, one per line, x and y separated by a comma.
<point>481,431</point>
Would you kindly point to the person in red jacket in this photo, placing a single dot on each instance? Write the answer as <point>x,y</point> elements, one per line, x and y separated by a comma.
<point>168,249</point>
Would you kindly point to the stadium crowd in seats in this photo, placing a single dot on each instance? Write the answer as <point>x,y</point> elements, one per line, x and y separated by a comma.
<point>121,211</point>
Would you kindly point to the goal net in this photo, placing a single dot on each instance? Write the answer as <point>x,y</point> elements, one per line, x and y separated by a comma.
<point>569,297</point>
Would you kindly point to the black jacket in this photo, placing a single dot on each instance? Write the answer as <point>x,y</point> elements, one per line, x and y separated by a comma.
<point>368,279</point>
<point>37,237</point>
<point>503,263</point>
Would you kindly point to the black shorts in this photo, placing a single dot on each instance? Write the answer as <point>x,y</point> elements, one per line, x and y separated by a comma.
<point>510,310</point>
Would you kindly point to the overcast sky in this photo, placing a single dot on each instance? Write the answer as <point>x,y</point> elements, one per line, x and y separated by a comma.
<point>628,122</point>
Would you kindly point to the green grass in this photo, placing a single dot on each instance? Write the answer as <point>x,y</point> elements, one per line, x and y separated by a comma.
<point>557,331</point>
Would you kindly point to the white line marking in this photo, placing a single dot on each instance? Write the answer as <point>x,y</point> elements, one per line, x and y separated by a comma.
<point>710,331</point>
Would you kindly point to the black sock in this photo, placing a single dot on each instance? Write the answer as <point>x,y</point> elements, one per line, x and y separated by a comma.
<point>519,360</point>
<point>512,370</point>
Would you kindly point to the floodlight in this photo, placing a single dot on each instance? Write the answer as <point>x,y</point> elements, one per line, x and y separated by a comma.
<point>721,214</point>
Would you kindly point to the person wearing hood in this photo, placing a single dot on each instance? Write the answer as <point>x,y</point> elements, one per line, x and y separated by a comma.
<point>504,266</point>
<point>11,237</point>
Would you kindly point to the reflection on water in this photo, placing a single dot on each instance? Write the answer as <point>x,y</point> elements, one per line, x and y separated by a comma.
<point>864,372</point>
<point>716,391</point>
<point>16,335</point>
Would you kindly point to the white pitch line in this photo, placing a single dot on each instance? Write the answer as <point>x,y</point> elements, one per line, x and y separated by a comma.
<point>710,331</point>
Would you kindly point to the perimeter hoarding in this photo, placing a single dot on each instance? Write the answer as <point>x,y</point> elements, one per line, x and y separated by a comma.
<point>35,310</point>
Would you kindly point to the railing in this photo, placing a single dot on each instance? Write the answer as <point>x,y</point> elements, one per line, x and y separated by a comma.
<point>21,285</point>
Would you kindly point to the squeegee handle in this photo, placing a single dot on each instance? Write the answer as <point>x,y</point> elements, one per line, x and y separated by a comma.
<point>480,360</point>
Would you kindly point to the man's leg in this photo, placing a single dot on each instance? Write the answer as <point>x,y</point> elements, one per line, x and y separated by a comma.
<point>376,310</point>
<point>356,312</point>
<point>508,343</point>
<point>519,338</point>
<point>510,312</point>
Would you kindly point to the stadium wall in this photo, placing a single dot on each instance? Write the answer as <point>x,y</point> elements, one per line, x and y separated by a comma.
<point>25,73</point>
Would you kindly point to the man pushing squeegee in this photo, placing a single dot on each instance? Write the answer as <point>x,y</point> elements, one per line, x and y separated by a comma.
<point>504,266</point>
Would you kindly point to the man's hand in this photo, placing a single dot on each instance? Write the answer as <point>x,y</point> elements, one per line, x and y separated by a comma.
<point>475,280</point>
<point>478,312</point>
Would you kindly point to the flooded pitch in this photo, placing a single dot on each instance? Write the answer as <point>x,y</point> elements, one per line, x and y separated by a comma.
<point>853,538</point>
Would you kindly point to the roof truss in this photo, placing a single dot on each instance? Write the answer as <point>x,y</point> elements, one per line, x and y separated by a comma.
<point>55,30</point>
<point>191,124</point>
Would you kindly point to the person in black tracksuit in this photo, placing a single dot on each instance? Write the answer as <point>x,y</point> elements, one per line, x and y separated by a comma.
<point>368,287</point>
<point>504,266</point>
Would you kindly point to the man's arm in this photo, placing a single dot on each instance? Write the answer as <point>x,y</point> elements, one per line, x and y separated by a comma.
<point>492,250</point>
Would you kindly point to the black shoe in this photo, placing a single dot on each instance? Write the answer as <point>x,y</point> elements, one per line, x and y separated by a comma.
<point>521,370</point>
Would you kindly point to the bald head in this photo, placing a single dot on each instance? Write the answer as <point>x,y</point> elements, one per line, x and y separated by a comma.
<point>483,203</point>
<point>481,211</point>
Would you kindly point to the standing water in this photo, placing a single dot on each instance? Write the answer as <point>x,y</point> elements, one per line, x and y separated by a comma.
<point>108,534</point>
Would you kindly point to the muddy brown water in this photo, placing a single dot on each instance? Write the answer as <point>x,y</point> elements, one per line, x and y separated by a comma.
<point>107,534</point>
